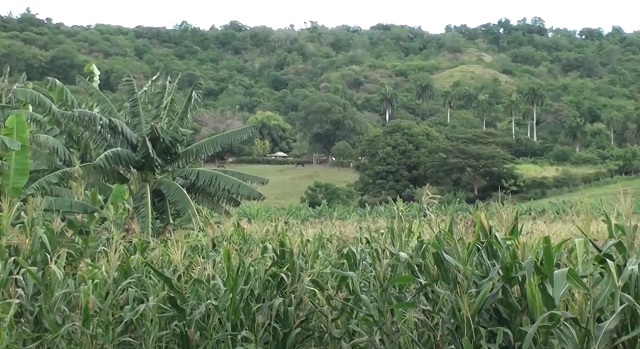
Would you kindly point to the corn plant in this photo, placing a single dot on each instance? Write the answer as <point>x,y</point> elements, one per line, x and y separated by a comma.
<point>417,281</point>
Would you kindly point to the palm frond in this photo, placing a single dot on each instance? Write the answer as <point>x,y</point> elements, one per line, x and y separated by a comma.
<point>120,128</point>
<point>8,144</point>
<point>43,161</point>
<point>190,105</point>
<point>105,107</point>
<point>213,202</point>
<point>167,103</point>
<point>60,93</point>
<point>104,130</point>
<point>52,146</point>
<point>37,121</point>
<point>143,208</point>
<point>177,198</point>
<point>66,205</point>
<point>116,157</point>
<point>214,182</point>
<point>113,164</point>
<point>5,110</point>
<point>59,192</point>
<point>56,178</point>
<point>136,116</point>
<point>37,100</point>
<point>212,145</point>
<point>245,177</point>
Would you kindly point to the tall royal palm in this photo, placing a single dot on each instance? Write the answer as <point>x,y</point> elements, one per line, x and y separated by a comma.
<point>535,97</point>
<point>575,131</point>
<point>388,98</point>
<point>484,108</point>
<point>614,123</point>
<point>425,90</point>
<point>448,101</point>
<point>513,108</point>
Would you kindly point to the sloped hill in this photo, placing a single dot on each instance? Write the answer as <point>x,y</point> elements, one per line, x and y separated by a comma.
<point>469,73</point>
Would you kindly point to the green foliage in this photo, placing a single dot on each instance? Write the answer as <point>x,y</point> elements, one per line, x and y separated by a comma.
<point>396,161</point>
<point>287,286</point>
<point>307,90</point>
<point>273,129</point>
<point>343,151</point>
<point>328,194</point>
<point>15,163</point>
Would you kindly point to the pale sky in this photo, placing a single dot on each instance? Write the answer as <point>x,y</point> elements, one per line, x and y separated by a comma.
<point>433,16</point>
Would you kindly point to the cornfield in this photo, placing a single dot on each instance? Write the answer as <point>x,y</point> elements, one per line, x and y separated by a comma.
<point>398,278</point>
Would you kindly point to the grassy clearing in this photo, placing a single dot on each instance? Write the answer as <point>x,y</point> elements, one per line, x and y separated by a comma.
<point>628,188</point>
<point>534,170</point>
<point>467,72</point>
<point>288,183</point>
<point>401,281</point>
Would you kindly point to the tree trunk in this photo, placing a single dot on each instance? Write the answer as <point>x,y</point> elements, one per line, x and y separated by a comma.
<point>529,129</point>
<point>611,132</point>
<point>387,112</point>
<point>513,126</point>
<point>484,123</point>
<point>577,147</point>
<point>448,115</point>
<point>535,128</point>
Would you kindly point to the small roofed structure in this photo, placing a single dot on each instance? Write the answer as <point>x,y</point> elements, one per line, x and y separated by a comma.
<point>278,155</point>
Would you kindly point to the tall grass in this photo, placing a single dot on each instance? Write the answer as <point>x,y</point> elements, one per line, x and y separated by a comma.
<point>484,279</point>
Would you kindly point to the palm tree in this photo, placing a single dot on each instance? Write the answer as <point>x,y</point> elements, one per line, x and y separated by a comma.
<point>388,100</point>
<point>575,131</point>
<point>484,107</point>
<point>425,90</point>
<point>513,107</point>
<point>448,100</point>
<point>614,123</point>
<point>153,158</point>
<point>535,97</point>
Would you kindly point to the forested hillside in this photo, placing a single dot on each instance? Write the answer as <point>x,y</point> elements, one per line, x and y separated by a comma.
<point>588,77</point>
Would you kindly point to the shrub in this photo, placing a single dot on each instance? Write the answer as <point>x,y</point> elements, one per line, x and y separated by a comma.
<point>343,151</point>
<point>328,194</point>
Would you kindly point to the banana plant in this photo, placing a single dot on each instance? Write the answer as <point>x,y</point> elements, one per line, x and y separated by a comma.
<point>15,164</point>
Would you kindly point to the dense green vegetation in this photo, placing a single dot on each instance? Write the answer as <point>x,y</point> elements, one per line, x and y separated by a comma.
<point>114,232</point>
<point>564,95</point>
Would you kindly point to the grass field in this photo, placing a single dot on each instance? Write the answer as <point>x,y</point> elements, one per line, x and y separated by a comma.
<point>534,170</point>
<point>288,183</point>
<point>628,187</point>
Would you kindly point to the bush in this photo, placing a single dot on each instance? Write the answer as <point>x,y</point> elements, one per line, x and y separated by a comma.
<point>343,151</point>
<point>561,154</point>
<point>328,194</point>
<point>540,187</point>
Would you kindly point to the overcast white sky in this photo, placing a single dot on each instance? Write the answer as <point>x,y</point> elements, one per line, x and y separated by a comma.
<point>433,16</point>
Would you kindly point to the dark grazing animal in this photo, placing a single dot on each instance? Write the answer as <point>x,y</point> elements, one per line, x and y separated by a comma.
<point>221,166</point>
<point>299,164</point>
